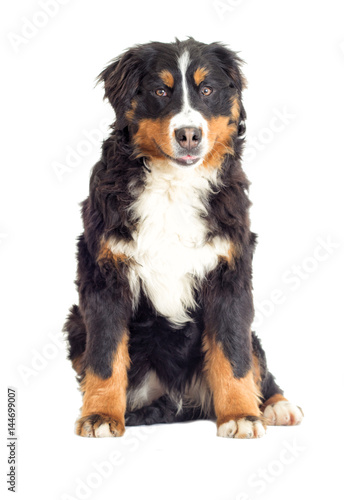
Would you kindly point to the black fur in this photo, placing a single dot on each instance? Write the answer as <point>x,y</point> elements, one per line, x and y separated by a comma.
<point>225,305</point>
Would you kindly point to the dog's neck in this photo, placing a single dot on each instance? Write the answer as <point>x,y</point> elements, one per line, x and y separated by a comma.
<point>190,177</point>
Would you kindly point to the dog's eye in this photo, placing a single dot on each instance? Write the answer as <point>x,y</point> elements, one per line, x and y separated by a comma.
<point>206,91</point>
<point>161,92</point>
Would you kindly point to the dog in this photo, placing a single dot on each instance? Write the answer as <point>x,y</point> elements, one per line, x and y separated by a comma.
<point>162,332</point>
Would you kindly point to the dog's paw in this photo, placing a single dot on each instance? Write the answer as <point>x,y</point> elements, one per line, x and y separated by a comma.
<point>99,425</point>
<point>283,413</point>
<point>243,428</point>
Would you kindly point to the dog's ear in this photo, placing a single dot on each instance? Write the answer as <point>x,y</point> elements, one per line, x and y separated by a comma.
<point>231,64</point>
<point>121,81</point>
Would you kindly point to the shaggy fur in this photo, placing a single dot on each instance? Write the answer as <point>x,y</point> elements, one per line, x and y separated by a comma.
<point>162,332</point>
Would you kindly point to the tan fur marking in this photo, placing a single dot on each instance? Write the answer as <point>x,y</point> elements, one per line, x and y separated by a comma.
<point>108,397</point>
<point>77,364</point>
<point>130,114</point>
<point>233,398</point>
<point>232,255</point>
<point>167,77</point>
<point>106,254</point>
<point>200,74</point>
<point>256,371</point>
<point>271,401</point>
<point>220,138</point>
<point>151,132</point>
<point>235,111</point>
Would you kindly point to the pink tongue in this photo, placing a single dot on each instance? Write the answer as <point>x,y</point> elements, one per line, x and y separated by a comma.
<point>187,157</point>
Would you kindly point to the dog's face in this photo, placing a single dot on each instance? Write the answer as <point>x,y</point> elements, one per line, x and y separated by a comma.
<point>181,102</point>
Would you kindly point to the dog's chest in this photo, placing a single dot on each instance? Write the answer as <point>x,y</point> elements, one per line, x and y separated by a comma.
<point>170,252</point>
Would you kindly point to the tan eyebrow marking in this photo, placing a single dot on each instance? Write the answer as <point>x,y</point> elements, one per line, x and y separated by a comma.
<point>200,74</point>
<point>167,77</point>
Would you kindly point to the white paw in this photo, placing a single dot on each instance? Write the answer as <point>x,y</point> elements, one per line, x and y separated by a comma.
<point>103,431</point>
<point>242,428</point>
<point>283,413</point>
<point>99,425</point>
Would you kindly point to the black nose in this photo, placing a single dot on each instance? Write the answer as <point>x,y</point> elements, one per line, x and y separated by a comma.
<point>189,138</point>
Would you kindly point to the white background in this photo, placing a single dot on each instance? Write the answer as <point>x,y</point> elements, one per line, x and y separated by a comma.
<point>295,64</point>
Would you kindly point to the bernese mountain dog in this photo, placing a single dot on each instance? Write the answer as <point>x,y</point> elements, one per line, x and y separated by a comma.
<point>162,332</point>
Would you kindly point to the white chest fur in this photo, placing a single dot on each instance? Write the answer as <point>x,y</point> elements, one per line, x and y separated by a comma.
<point>169,251</point>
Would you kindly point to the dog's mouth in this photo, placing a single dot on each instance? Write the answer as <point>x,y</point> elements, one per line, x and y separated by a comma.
<point>187,160</point>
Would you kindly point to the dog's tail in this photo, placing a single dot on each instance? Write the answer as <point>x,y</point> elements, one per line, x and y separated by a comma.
<point>76,338</point>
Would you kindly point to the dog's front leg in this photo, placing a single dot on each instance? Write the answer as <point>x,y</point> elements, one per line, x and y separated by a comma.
<point>228,313</point>
<point>105,303</point>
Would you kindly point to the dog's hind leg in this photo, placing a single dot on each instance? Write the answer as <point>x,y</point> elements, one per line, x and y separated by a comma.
<point>76,338</point>
<point>165,410</point>
<point>276,409</point>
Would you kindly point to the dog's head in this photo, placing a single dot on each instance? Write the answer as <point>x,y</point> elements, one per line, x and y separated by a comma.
<point>180,102</point>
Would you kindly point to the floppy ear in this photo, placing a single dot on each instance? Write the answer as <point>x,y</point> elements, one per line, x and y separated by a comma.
<point>231,63</point>
<point>121,82</point>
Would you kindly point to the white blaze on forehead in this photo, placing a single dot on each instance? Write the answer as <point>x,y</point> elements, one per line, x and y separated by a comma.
<point>188,116</point>
<point>183,63</point>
